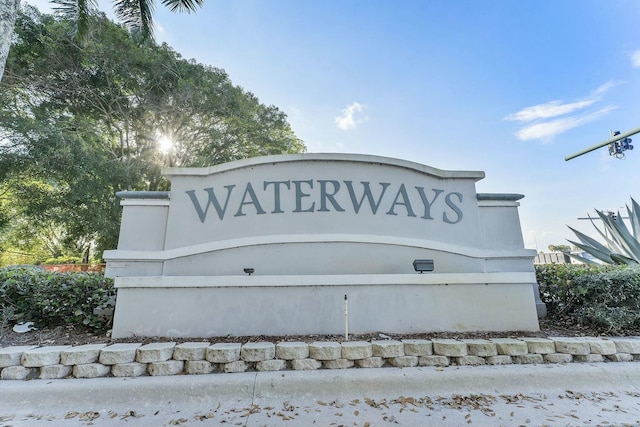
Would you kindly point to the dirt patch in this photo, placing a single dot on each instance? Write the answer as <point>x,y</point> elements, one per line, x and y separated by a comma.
<point>74,335</point>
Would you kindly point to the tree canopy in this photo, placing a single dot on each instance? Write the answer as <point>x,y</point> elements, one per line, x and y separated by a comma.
<point>79,122</point>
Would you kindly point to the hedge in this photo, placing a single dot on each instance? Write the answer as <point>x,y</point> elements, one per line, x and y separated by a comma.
<point>52,299</point>
<point>604,298</point>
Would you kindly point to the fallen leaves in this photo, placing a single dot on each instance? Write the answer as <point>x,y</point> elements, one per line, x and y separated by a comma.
<point>82,416</point>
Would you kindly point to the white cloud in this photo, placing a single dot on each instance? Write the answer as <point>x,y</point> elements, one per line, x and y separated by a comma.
<point>351,117</point>
<point>635,59</point>
<point>548,110</point>
<point>545,129</point>
<point>605,87</point>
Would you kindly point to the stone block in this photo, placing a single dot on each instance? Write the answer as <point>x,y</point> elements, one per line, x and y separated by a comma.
<point>620,357</point>
<point>234,367</point>
<point>18,373</point>
<point>540,345</point>
<point>418,347</point>
<point>271,365</point>
<point>403,361</point>
<point>370,362</point>
<point>528,359</point>
<point>53,372</point>
<point>325,350</point>
<point>258,351</point>
<point>356,350</point>
<point>601,346</point>
<point>588,358</point>
<point>573,346</point>
<point>387,348</point>
<point>337,364</point>
<point>558,358</point>
<point>42,356</point>
<point>292,350</point>
<point>155,352</point>
<point>91,370</point>
<point>191,351</point>
<point>499,360</point>
<point>196,367</point>
<point>469,360</point>
<point>118,354</point>
<point>448,347</point>
<point>165,368</point>
<point>129,369</point>
<point>629,345</point>
<point>305,364</point>
<point>81,355</point>
<point>480,347</point>
<point>433,361</point>
<point>223,353</point>
<point>510,346</point>
<point>10,356</point>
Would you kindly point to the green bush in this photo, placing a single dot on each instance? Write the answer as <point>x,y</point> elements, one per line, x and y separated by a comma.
<point>64,260</point>
<point>604,298</point>
<point>52,299</point>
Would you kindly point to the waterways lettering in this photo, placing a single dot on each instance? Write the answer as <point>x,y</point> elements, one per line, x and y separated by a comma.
<point>325,195</point>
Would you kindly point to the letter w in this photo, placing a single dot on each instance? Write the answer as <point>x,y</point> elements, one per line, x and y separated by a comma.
<point>213,200</point>
<point>367,193</point>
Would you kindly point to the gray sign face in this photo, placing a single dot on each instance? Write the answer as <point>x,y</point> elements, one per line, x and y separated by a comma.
<point>322,194</point>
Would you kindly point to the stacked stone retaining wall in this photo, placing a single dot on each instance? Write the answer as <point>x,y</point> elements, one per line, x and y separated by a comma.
<point>193,358</point>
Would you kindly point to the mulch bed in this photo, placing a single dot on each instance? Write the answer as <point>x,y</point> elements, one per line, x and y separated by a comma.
<point>74,335</point>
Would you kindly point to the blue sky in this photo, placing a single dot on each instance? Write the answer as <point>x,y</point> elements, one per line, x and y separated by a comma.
<point>506,87</point>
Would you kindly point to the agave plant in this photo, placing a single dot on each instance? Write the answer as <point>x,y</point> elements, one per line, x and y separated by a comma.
<point>622,245</point>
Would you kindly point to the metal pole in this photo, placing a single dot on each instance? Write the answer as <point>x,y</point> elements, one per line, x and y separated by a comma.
<point>346,318</point>
<point>603,143</point>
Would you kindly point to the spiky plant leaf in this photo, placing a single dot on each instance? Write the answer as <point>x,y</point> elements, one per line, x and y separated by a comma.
<point>610,242</point>
<point>624,239</point>
<point>621,259</point>
<point>602,255</point>
<point>634,218</point>
<point>621,243</point>
<point>582,259</point>
<point>586,240</point>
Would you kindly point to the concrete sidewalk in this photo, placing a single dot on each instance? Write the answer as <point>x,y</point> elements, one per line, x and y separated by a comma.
<point>571,394</point>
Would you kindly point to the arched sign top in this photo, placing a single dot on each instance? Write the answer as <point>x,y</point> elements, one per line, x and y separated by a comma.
<point>325,157</point>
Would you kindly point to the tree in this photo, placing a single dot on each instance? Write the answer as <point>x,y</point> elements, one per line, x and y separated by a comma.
<point>560,248</point>
<point>80,122</point>
<point>8,13</point>
<point>136,15</point>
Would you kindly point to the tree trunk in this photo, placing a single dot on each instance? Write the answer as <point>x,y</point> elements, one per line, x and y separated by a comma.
<point>8,13</point>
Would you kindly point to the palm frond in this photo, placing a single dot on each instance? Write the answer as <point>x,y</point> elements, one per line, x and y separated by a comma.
<point>183,5</point>
<point>78,11</point>
<point>136,15</point>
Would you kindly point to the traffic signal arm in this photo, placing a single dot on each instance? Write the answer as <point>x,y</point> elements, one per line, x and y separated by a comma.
<point>603,143</point>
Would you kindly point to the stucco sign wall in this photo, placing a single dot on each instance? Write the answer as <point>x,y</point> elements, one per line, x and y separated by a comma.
<point>324,218</point>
